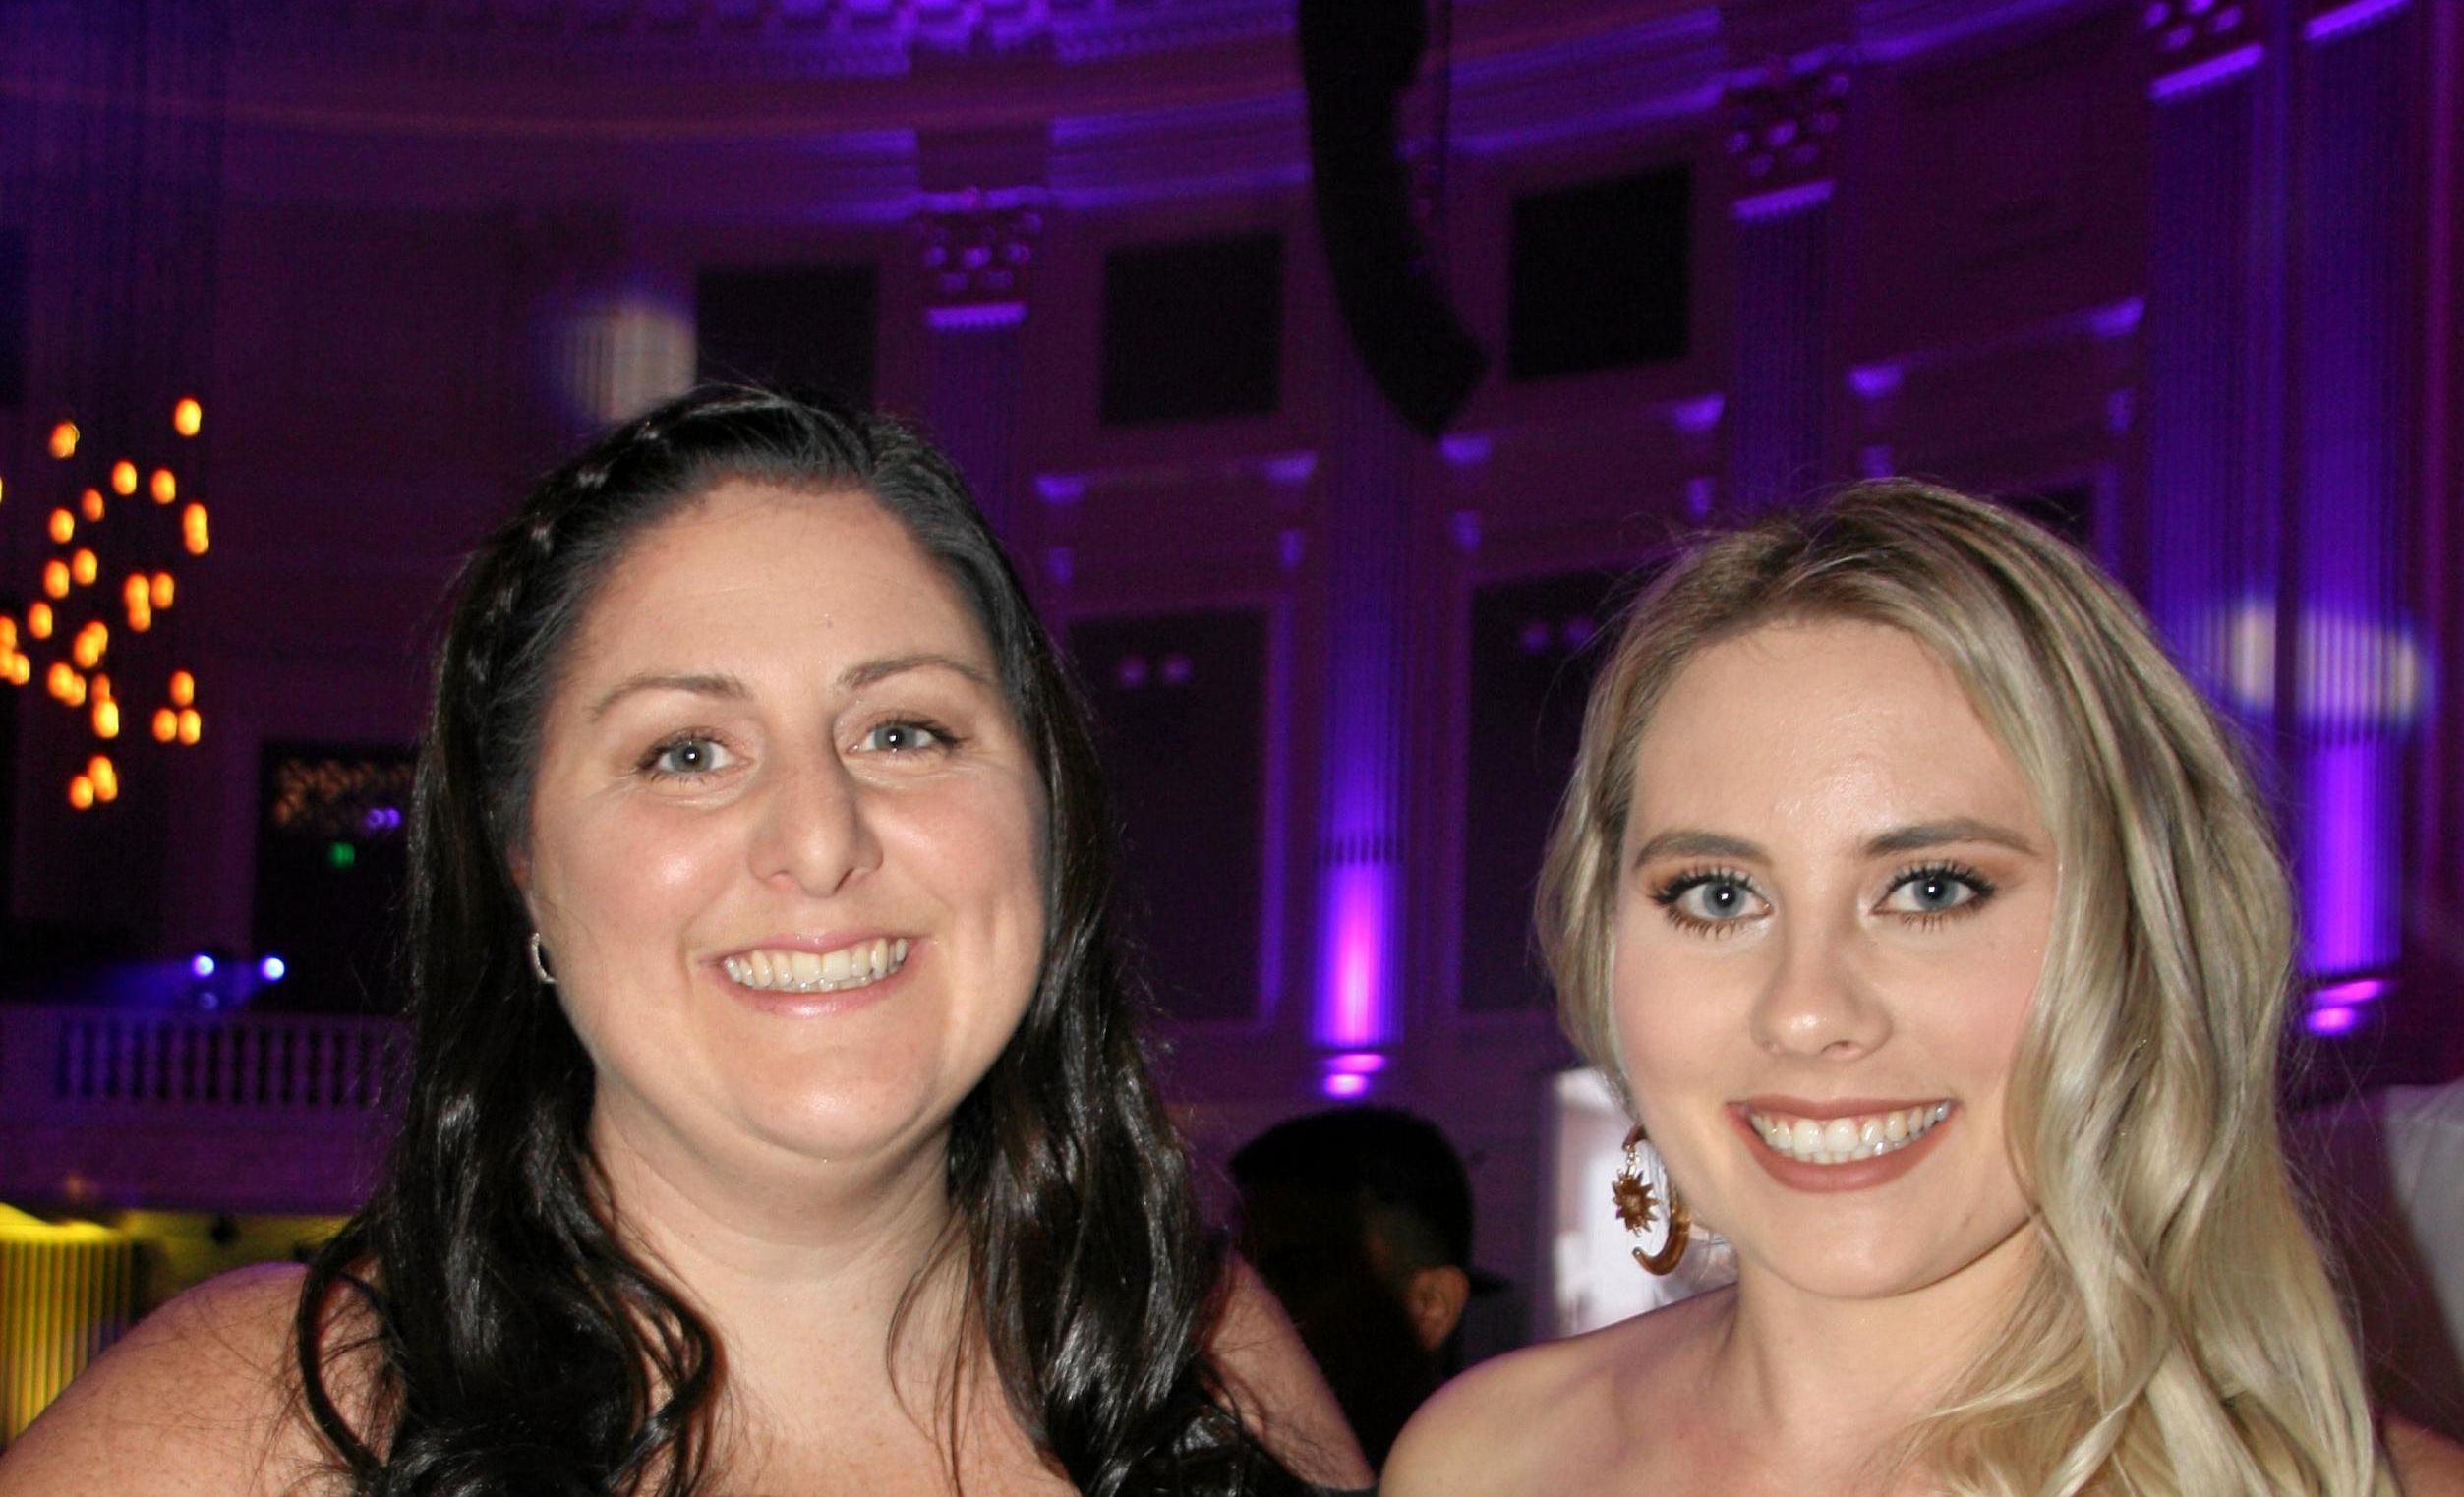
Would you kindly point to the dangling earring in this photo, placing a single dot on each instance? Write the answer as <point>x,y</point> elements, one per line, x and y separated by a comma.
<point>1643,1191</point>
<point>539,970</point>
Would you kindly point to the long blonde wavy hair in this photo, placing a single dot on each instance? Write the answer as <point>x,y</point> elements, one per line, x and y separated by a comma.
<point>2177,1332</point>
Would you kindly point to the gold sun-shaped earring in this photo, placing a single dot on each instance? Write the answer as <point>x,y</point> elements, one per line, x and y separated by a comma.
<point>1638,1204</point>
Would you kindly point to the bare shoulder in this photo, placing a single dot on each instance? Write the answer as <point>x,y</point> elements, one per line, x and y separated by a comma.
<point>197,1397</point>
<point>1276,1388</point>
<point>2427,1464</point>
<point>1549,1417</point>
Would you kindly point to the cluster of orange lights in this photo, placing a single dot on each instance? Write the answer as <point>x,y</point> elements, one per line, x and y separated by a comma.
<point>83,639</point>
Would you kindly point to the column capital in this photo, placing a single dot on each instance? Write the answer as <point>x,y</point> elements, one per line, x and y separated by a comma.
<point>2192,43</point>
<point>1781,123</point>
<point>974,249</point>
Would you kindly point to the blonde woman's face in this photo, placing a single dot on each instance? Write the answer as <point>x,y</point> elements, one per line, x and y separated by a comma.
<point>1832,909</point>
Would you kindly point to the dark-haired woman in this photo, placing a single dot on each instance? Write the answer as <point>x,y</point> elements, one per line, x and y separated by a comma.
<point>776,1123</point>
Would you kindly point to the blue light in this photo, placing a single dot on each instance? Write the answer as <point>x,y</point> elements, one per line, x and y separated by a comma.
<point>201,965</point>
<point>271,968</point>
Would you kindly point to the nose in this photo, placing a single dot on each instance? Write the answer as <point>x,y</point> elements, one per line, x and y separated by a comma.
<point>815,829</point>
<point>1816,1004</point>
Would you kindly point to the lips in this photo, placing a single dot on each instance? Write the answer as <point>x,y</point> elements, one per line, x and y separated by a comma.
<point>1826,1147</point>
<point>1845,1139</point>
<point>793,969</point>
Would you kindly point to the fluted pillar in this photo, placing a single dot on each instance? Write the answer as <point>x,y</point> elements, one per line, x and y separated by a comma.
<point>1784,121</point>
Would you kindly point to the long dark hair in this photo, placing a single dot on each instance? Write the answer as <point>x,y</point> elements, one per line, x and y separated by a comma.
<point>518,1346</point>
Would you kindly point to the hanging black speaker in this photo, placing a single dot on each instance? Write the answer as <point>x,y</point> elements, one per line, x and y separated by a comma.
<point>1357,57</point>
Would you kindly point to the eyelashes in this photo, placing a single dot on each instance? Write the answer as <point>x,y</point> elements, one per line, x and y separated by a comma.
<point>1718,902</point>
<point>698,752</point>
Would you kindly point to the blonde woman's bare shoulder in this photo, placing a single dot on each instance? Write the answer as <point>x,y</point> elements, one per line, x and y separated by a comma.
<point>2427,1464</point>
<point>197,1397</point>
<point>1277,1390</point>
<point>1552,1417</point>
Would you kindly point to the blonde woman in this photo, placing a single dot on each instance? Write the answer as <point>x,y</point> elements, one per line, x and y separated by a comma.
<point>1921,911</point>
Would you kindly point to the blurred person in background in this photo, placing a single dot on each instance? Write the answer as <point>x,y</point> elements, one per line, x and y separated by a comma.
<point>1359,1220</point>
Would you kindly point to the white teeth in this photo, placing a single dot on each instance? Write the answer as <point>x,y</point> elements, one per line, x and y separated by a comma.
<point>1840,1139</point>
<point>787,971</point>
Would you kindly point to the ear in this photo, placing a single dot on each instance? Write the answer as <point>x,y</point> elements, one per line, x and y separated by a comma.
<point>1433,1298</point>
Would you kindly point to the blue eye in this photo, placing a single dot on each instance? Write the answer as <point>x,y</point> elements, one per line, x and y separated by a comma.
<point>903,737</point>
<point>1710,899</point>
<point>688,754</point>
<point>1940,889</point>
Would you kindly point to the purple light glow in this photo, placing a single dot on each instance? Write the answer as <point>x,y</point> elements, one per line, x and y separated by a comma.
<point>1875,380</point>
<point>2348,834</point>
<point>2338,20</point>
<point>2204,75</point>
<point>2346,994</point>
<point>1290,469</point>
<point>2332,1021</point>
<point>1464,448</point>
<point>1345,1085</point>
<point>1352,988</point>
<point>974,317</point>
<point>1060,487</point>
<point>1781,201</point>
<point>2119,320</point>
<point>1698,416</point>
<point>1366,1063</point>
<point>201,965</point>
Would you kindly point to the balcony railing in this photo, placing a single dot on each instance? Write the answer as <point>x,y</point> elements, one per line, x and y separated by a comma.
<point>246,1112</point>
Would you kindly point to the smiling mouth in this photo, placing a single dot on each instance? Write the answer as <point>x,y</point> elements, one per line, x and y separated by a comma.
<point>1843,1140</point>
<point>850,966</point>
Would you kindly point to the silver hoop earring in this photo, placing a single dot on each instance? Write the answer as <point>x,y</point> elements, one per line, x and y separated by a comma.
<point>539,966</point>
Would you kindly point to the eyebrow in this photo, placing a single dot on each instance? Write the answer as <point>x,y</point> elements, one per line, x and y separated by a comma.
<point>697,684</point>
<point>1958,829</point>
<point>1687,843</point>
<point>732,688</point>
<point>870,671</point>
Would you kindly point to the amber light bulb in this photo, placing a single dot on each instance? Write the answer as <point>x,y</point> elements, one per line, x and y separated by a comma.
<point>63,440</point>
<point>84,566</point>
<point>124,478</point>
<point>166,724</point>
<point>63,526</point>
<point>82,792</point>
<point>188,418</point>
<point>90,504</point>
<point>38,619</point>
<point>183,688</point>
<point>164,486</point>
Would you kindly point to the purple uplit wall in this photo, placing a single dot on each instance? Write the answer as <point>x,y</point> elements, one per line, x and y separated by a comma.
<point>1368,492</point>
<point>2284,221</point>
<point>2356,176</point>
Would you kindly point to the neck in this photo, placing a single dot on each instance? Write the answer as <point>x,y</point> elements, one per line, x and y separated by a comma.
<point>800,1269</point>
<point>1832,1384</point>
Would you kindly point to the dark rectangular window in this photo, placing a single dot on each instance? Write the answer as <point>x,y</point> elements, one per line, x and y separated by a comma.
<point>14,310</point>
<point>1180,704</point>
<point>1599,275</point>
<point>1192,330</point>
<point>806,326</point>
<point>330,874</point>
<point>1531,670</point>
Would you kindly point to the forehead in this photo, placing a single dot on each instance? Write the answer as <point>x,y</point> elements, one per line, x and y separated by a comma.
<point>1797,726</point>
<point>753,571</point>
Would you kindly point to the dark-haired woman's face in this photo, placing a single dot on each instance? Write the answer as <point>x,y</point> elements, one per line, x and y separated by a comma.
<point>786,840</point>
